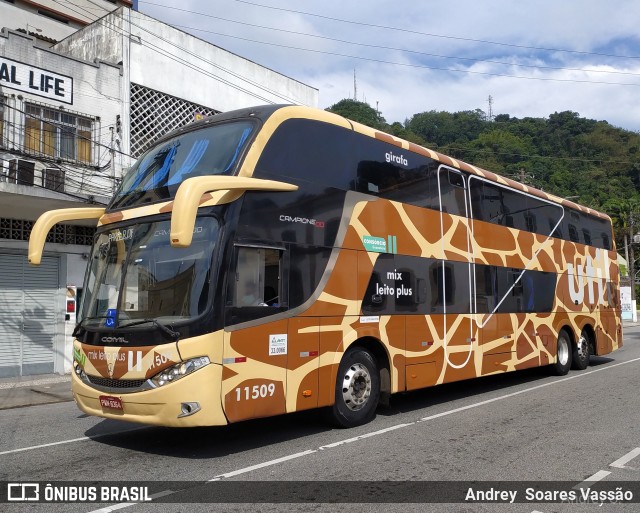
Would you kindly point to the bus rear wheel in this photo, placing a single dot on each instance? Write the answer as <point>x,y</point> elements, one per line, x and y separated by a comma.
<point>564,353</point>
<point>581,352</point>
<point>357,389</point>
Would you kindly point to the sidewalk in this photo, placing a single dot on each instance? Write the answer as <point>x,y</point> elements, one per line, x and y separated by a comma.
<point>32,390</point>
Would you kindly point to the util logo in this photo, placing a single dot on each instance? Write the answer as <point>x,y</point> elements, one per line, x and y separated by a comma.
<point>585,274</point>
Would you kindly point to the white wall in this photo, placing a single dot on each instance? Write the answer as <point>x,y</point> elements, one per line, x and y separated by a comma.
<point>165,59</point>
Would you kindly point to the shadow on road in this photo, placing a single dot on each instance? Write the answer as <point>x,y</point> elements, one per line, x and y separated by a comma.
<point>212,442</point>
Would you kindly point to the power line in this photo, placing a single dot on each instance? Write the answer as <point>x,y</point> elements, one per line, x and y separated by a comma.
<point>429,34</point>
<point>434,68</point>
<point>63,127</point>
<point>380,47</point>
<point>71,195</point>
<point>122,31</point>
<point>81,182</point>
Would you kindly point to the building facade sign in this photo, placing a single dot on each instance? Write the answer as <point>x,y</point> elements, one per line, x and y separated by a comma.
<point>36,81</point>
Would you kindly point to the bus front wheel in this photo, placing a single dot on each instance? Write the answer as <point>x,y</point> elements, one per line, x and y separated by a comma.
<point>357,389</point>
<point>564,353</point>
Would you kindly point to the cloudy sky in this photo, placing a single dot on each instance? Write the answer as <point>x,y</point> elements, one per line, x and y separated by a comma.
<point>532,58</point>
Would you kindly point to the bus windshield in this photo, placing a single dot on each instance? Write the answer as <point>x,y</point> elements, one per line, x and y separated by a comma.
<point>156,176</point>
<point>135,274</point>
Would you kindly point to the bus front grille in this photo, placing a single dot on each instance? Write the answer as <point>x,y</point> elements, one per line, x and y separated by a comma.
<point>118,385</point>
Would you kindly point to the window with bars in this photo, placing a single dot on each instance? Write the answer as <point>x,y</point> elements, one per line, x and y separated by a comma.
<point>53,178</point>
<point>154,114</point>
<point>58,134</point>
<point>20,229</point>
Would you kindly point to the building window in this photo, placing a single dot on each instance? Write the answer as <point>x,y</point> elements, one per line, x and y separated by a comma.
<point>53,179</point>
<point>58,134</point>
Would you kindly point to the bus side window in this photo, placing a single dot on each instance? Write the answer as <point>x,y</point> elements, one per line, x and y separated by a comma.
<point>573,233</point>
<point>452,193</point>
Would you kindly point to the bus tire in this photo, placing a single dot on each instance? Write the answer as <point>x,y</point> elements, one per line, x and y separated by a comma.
<point>581,352</point>
<point>563,355</point>
<point>357,389</point>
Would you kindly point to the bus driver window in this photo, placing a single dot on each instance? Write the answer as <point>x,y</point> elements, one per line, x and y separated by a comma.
<point>257,277</point>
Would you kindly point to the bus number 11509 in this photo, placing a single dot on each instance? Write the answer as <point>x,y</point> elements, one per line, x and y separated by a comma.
<point>255,392</point>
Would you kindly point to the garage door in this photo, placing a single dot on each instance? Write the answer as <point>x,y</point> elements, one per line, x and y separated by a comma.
<point>27,315</point>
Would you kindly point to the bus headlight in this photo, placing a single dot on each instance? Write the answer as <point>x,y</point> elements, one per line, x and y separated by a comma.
<point>79,371</point>
<point>179,370</point>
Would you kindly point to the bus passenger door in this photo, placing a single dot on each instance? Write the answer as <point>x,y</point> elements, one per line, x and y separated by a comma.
<point>255,353</point>
<point>452,275</point>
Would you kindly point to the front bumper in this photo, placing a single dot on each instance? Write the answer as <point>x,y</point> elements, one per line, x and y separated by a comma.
<point>161,406</point>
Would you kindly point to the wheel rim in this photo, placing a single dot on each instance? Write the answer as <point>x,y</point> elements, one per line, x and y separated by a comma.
<point>583,347</point>
<point>356,387</point>
<point>563,351</point>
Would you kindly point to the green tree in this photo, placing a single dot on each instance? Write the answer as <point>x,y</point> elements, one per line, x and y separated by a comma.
<point>359,112</point>
<point>442,128</point>
<point>625,215</point>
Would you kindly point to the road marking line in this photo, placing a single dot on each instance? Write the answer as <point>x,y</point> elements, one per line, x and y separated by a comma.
<point>366,435</point>
<point>123,505</point>
<point>431,417</point>
<point>620,463</point>
<point>45,445</point>
<point>513,394</point>
<point>262,465</point>
<point>373,433</point>
<point>598,476</point>
<point>82,439</point>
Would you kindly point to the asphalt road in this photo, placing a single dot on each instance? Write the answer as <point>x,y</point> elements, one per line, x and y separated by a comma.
<point>521,427</point>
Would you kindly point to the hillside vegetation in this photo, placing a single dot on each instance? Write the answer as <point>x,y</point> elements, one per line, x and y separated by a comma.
<point>593,162</point>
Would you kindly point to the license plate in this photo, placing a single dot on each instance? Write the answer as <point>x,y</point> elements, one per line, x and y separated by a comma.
<point>108,401</point>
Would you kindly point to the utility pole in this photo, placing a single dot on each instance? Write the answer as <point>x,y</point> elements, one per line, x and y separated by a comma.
<point>355,86</point>
<point>631,256</point>
<point>490,114</point>
<point>523,177</point>
<point>112,150</point>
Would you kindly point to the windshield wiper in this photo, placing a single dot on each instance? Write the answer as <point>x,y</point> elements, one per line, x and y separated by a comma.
<point>80,326</point>
<point>165,329</point>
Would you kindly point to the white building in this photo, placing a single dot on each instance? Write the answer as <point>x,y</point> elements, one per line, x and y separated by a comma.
<point>50,21</point>
<point>169,75</point>
<point>73,117</point>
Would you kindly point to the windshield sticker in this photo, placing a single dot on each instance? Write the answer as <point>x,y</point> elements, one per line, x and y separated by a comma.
<point>110,321</point>
<point>369,319</point>
<point>118,235</point>
<point>277,344</point>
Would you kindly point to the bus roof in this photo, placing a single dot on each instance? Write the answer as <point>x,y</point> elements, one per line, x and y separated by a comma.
<point>284,112</point>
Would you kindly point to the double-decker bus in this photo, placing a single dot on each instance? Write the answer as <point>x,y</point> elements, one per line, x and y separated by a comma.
<point>283,258</point>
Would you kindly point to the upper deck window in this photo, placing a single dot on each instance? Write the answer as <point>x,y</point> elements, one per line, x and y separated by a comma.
<point>156,176</point>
